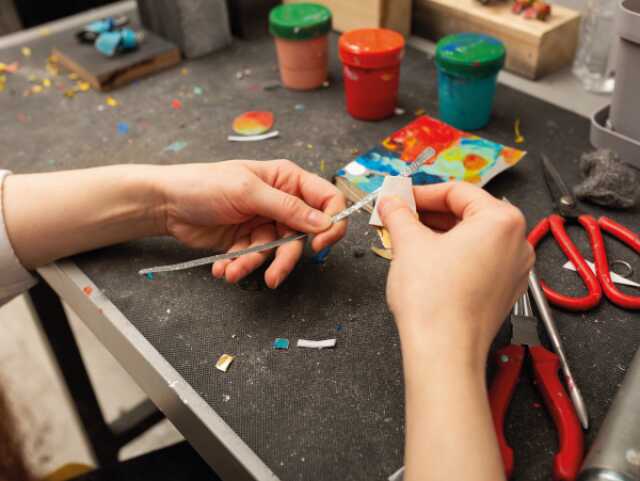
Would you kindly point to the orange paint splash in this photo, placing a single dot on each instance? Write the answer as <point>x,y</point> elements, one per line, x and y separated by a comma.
<point>474,162</point>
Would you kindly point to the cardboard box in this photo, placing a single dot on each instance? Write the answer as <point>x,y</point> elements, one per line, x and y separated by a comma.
<point>534,48</point>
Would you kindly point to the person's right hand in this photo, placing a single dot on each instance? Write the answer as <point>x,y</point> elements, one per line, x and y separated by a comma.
<point>457,269</point>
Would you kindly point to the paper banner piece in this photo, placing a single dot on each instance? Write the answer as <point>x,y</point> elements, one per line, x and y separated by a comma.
<point>253,123</point>
<point>617,278</point>
<point>394,186</point>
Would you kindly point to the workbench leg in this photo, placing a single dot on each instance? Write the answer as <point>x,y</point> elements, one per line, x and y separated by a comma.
<point>105,440</point>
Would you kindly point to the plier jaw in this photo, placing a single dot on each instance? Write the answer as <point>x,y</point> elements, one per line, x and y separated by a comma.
<point>545,365</point>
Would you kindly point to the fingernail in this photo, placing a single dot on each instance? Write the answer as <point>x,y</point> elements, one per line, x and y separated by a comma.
<point>318,219</point>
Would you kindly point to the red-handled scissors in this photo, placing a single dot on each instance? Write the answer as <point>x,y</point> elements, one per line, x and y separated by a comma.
<point>567,209</point>
<point>545,366</point>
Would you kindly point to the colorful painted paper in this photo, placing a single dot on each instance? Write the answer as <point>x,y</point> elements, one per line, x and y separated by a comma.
<point>459,156</point>
<point>253,123</point>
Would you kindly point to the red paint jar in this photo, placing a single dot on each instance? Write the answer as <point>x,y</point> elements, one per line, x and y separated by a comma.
<point>371,60</point>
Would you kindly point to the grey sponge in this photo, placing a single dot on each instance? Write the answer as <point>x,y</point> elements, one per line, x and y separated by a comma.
<point>608,181</point>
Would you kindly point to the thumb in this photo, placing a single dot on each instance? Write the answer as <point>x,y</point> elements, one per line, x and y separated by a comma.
<point>401,222</point>
<point>289,210</point>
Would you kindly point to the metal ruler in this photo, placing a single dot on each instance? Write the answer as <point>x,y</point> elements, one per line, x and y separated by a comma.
<point>425,155</point>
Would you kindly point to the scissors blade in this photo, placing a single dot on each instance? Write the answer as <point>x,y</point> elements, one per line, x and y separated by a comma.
<point>559,190</point>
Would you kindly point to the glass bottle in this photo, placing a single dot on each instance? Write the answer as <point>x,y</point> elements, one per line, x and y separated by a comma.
<point>593,64</point>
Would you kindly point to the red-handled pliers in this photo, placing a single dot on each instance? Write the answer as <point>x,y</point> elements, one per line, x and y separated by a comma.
<point>568,210</point>
<point>545,365</point>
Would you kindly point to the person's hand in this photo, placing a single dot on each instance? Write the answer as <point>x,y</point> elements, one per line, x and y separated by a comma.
<point>457,269</point>
<point>237,204</point>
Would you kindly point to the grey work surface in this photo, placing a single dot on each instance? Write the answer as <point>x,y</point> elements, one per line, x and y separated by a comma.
<point>312,415</point>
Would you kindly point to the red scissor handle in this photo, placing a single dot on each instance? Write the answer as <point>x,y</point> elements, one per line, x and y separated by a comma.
<point>629,238</point>
<point>567,460</point>
<point>509,360</point>
<point>555,223</point>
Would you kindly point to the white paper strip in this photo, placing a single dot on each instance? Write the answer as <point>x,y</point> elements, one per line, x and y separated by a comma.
<point>617,278</point>
<point>253,138</point>
<point>316,344</point>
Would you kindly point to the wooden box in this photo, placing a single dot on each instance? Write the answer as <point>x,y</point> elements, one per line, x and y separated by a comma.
<point>534,48</point>
<point>351,14</point>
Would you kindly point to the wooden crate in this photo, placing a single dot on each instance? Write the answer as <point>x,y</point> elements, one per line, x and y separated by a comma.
<point>351,14</point>
<point>534,48</point>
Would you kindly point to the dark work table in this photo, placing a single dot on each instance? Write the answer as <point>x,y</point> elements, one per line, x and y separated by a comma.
<point>299,414</point>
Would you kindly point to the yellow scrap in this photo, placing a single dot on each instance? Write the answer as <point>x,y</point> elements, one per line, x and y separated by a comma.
<point>516,127</point>
<point>111,102</point>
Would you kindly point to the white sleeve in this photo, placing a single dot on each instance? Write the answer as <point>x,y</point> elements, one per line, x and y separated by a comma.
<point>14,278</point>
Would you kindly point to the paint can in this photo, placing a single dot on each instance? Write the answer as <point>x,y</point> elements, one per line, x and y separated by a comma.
<point>468,66</point>
<point>301,36</point>
<point>371,59</point>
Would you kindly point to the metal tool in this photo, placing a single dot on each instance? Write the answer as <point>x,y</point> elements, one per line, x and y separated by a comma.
<point>545,364</point>
<point>567,209</point>
<point>425,155</point>
<point>615,454</point>
<point>550,325</point>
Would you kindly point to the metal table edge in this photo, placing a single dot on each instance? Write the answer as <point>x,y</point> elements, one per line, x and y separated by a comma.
<point>206,431</point>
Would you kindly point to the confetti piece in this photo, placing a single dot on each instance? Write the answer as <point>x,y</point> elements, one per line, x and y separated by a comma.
<point>26,51</point>
<point>51,162</point>
<point>176,104</point>
<point>419,112</point>
<point>111,102</point>
<point>385,237</point>
<point>70,93</point>
<point>3,81</point>
<point>516,127</point>
<point>399,111</point>
<point>384,253</point>
<point>184,71</point>
<point>253,138</point>
<point>36,89</point>
<point>73,76</point>
<point>9,68</point>
<point>177,146</point>
<point>316,344</point>
<point>338,327</point>
<point>299,107</point>
<point>123,128</point>
<point>87,290</point>
<point>197,90</point>
<point>149,276</point>
<point>253,123</point>
<point>46,83</point>
<point>32,78</point>
<point>45,31</point>
<point>224,362</point>
<point>281,344</point>
<point>326,84</point>
<point>239,75</point>
<point>83,86</point>
<point>322,166</point>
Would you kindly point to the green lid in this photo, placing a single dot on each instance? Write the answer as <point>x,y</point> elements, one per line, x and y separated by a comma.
<point>300,21</point>
<point>470,55</point>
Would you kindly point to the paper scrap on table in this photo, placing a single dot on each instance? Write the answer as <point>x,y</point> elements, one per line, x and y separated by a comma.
<point>396,186</point>
<point>617,278</point>
<point>316,344</point>
<point>281,343</point>
<point>224,362</point>
<point>398,475</point>
<point>252,138</point>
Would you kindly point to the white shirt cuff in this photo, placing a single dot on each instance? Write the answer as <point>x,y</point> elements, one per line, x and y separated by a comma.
<point>14,278</point>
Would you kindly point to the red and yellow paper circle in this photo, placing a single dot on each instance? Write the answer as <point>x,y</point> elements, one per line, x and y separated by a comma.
<point>253,123</point>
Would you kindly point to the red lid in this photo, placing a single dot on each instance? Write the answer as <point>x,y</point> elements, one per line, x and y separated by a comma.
<point>371,48</point>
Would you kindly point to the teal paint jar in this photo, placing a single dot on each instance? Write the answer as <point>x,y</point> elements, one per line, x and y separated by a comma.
<point>468,66</point>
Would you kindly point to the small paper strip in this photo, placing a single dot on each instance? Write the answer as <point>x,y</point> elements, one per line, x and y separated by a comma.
<point>316,344</point>
<point>224,362</point>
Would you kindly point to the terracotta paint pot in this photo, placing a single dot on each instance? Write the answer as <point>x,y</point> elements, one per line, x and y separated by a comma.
<point>300,31</point>
<point>371,59</point>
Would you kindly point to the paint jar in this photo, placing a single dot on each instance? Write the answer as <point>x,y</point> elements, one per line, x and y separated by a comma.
<point>468,66</point>
<point>371,60</point>
<point>301,35</point>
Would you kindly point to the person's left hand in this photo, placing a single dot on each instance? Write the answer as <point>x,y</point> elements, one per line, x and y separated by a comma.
<point>239,203</point>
